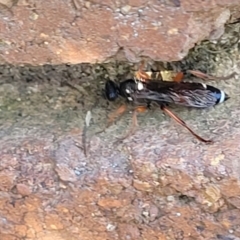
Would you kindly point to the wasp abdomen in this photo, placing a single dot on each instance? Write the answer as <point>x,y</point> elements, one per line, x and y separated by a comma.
<point>220,95</point>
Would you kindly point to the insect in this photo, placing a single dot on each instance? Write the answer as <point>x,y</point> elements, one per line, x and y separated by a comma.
<point>143,90</point>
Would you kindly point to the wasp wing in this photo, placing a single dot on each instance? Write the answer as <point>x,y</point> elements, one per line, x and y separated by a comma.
<point>184,93</point>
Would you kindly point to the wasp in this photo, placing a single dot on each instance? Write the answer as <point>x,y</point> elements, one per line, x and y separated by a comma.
<point>144,89</point>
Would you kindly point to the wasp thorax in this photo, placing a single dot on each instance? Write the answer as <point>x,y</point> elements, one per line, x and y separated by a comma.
<point>127,88</point>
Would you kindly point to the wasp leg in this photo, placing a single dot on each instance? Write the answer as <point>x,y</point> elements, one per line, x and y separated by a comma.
<point>114,116</point>
<point>209,77</point>
<point>134,125</point>
<point>179,77</point>
<point>141,75</point>
<point>181,122</point>
<point>144,76</point>
<point>141,109</point>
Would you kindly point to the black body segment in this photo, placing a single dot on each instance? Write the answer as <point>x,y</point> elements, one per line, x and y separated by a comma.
<point>185,93</point>
<point>111,90</point>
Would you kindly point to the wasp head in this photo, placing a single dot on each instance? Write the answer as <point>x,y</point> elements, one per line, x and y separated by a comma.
<point>111,90</point>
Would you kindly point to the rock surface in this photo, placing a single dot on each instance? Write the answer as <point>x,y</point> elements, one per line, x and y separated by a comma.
<point>158,184</point>
<point>75,31</point>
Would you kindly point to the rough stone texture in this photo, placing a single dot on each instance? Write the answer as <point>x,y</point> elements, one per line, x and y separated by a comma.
<point>75,31</point>
<point>159,184</point>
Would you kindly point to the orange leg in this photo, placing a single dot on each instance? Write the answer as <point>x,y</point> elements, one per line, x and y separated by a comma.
<point>115,115</point>
<point>181,122</point>
<point>142,75</point>
<point>141,109</point>
<point>208,77</point>
<point>134,125</point>
<point>179,77</point>
<point>147,76</point>
<point>112,117</point>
